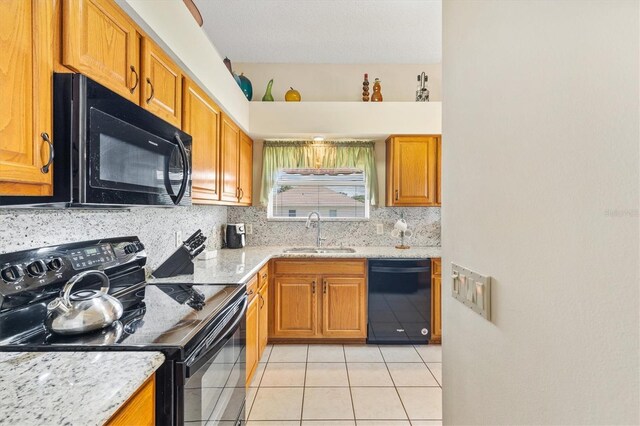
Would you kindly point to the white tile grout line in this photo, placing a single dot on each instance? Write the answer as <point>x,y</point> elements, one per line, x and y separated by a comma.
<point>386,364</point>
<point>346,367</point>
<point>304,385</point>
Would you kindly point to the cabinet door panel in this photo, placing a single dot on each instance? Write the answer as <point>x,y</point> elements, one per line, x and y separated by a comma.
<point>343,307</point>
<point>263,321</point>
<point>295,306</point>
<point>26,66</point>
<point>246,169</point>
<point>412,171</point>
<point>436,300</point>
<point>162,82</point>
<point>229,158</point>
<point>201,119</point>
<point>100,41</point>
<point>252,339</point>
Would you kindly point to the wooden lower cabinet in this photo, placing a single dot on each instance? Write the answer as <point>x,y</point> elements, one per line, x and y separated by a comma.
<point>140,409</point>
<point>436,300</point>
<point>295,306</point>
<point>324,305</point>
<point>252,338</point>
<point>263,319</point>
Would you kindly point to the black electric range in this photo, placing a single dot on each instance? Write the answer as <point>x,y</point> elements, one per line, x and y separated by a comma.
<point>200,329</point>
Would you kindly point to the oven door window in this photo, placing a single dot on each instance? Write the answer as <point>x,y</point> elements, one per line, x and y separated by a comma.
<point>126,158</point>
<point>216,392</point>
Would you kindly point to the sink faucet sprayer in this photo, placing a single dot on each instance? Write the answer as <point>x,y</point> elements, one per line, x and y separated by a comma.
<point>319,239</point>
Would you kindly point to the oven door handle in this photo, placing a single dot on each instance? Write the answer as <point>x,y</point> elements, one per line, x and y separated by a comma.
<point>194,362</point>
<point>186,171</point>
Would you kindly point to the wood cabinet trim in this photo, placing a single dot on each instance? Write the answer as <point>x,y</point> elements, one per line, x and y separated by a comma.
<point>139,409</point>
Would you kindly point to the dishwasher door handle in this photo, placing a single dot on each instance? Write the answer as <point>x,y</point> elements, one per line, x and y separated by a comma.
<point>400,270</point>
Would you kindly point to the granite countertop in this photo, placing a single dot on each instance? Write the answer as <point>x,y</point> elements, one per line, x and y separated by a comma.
<point>237,266</point>
<point>70,388</point>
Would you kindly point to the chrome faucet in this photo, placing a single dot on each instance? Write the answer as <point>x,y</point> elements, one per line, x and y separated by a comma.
<point>319,239</point>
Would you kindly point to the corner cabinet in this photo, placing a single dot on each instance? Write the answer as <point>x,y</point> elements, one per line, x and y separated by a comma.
<point>26,64</point>
<point>319,299</point>
<point>236,163</point>
<point>201,119</point>
<point>413,171</point>
<point>100,41</point>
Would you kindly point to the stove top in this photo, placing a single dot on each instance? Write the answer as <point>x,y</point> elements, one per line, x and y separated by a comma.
<point>156,316</point>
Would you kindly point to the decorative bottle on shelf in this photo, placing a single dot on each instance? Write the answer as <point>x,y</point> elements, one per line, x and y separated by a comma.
<point>422,92</point>
<point>377,94</point>
<point>267,95</point>
<point>365,88</point>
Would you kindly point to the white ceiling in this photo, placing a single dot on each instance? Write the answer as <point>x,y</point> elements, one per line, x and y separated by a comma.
<point>325,31</point>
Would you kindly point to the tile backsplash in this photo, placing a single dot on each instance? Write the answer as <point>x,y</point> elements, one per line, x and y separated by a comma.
<point>424,222</point>
<point>156,227</point>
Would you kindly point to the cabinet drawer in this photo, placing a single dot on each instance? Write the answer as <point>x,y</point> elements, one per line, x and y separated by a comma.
<point>324,266</point>
<point>252,287</point>
<point>436,266</point>
<point>263,276</point>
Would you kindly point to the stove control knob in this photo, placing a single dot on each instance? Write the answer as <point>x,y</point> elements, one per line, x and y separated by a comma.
<point>36,268</point>
<point>130,248</point>
<point>54,264</point>
<point>139,246</point>
<point>11,273</point>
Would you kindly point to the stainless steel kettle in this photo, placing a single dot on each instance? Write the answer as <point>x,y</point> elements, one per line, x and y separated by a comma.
<point>84,310</point>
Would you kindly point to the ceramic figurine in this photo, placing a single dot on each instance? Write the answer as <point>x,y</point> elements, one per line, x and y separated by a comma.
<point>267,95</point>
<point>292,95</point>
<point>365,88</point>
<point>377,95</point>
<point>245,85</point>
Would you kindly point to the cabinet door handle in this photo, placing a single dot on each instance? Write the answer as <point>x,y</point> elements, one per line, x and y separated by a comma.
<point>133,70</point>
<point>324,287</point>
<point>261,300</point>
<point>397,195</point>
<point>264,277</point>
<point>241,194</point>
<point>45,137</point>
<point>313,287</point>
<point>152,91</point>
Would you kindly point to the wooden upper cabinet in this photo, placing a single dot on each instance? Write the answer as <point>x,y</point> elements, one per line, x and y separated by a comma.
<point>344,307</point>
<point>245,169</point>
<point>412,171</point>
<point>161,82</point>
<point>229,160</point>
<point>201,119</point>
<point>26,67</point>
<point>100,41</point>
<point>295,307</point>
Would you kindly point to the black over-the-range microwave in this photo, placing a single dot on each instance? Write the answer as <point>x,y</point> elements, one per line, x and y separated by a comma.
<point>110,152</point>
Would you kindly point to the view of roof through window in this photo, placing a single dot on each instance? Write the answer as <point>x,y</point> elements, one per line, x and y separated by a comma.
<point>334,193</point>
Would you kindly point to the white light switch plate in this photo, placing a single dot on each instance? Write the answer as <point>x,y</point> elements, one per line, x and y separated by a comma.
<point>249,228</point>
<point>472,290</point>
<point>379,228</point>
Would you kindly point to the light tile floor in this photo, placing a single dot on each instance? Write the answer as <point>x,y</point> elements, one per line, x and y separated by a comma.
<point>347,385</point>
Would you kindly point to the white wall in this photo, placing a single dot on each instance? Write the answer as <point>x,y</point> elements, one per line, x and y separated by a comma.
<point>540,191</point>
<point>340,82</point>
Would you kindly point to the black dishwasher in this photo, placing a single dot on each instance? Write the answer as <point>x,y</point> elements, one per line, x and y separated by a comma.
<point>399,301</point>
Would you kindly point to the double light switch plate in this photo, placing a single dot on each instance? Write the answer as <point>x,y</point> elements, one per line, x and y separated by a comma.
<point>472,289</point>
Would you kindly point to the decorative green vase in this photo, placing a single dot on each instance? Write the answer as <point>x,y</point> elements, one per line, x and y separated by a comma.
<point>267,95</point>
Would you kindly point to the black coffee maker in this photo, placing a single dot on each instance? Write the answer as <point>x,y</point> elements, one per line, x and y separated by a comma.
<point>234,235</point>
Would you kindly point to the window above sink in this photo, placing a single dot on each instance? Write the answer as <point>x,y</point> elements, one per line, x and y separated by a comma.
<point>337,194</point>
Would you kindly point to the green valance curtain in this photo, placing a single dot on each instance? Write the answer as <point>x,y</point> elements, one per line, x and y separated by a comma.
<point>278,155</point>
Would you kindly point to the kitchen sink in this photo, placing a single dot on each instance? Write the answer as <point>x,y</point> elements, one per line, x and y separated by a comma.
<point>319,250</point>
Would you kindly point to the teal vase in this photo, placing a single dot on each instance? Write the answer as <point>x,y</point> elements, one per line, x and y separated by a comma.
<point>245,85</point>
<point>268,97</point>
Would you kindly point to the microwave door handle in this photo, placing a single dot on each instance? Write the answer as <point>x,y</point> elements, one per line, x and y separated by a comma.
<point>186,171</point>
